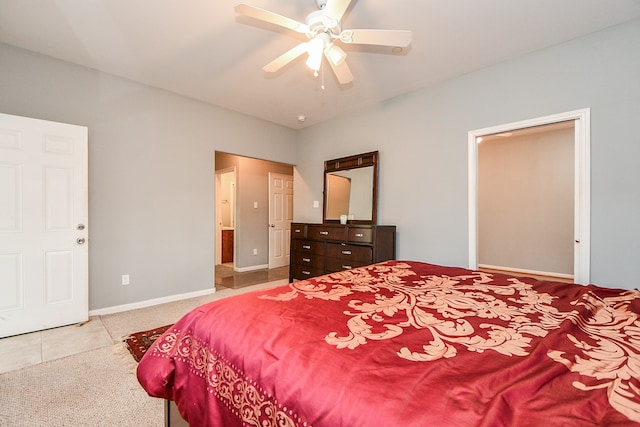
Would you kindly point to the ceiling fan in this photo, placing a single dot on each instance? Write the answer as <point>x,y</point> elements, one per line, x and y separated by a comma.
<point>323,27</point>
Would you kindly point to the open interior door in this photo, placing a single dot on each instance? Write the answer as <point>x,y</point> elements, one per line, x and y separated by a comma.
<point>280,218</point>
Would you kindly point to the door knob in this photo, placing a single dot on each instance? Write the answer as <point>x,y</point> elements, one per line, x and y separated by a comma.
<point>80,227</point>
<point>80,240</point>
<point>272,225</point>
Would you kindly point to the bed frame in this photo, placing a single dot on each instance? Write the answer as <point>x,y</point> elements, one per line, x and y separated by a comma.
<point>172,416</point>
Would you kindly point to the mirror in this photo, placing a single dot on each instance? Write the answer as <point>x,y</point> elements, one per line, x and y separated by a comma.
<point>350,188</point>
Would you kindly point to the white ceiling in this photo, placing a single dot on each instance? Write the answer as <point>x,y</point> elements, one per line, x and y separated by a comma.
<point>203,50</point>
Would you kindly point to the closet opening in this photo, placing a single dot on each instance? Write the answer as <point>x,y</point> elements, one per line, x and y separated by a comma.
<point>529,198</point>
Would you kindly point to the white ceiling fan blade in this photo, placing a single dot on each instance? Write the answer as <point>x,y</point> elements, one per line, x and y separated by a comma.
<point>399,38</point>
<point>342,72</point>
<point>286,57</point>
<point>335,9</point>
<point>273,18</point>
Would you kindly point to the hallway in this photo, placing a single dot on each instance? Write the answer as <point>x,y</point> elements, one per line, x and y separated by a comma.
<point>227,278</point>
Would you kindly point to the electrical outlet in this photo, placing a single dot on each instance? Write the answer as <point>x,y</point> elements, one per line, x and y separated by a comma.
<point>125,279</point>
<point>255,251</point>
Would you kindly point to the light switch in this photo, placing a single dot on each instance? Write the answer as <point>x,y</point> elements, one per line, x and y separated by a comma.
<point>255,205</point>
<point>316,204</point>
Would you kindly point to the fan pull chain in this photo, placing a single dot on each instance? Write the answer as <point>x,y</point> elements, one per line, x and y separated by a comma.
<point>322,77</point>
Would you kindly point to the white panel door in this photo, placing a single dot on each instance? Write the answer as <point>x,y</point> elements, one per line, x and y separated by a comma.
<point>280,218</point>
<point>43,225</point>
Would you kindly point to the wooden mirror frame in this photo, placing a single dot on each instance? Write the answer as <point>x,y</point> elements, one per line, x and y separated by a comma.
<point>347,163</point>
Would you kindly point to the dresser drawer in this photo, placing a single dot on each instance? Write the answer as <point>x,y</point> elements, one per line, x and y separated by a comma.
<point>333,265</point>
<point>360,235</point>
<point>326,232</point>
<point>300,272</point>
<point>307,259</point>
<point>350,253</point>
<point>297,231</point>
<point>307,247</point>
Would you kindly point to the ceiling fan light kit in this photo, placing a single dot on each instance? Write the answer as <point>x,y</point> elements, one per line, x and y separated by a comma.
<point>323,27</point>
<point>315,50</point>
<point>335,55</point>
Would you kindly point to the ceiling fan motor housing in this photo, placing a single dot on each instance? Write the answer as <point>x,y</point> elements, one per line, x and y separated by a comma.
<point>317,23</point>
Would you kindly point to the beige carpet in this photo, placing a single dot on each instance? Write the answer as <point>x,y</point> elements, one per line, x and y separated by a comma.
<point>97,387</point>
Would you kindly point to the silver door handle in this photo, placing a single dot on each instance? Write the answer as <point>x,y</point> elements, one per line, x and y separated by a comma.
<point>80,227</point>
<point>80,240</point>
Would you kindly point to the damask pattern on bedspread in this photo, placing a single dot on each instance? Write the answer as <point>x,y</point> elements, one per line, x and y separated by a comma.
<point>608,355</point>
<point>399,317</point>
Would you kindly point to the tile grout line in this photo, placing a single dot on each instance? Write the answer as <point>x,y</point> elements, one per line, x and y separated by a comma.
<point>41,346</point>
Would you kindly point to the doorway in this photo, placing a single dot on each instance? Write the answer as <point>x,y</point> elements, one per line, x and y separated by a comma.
<point>249,199</point>
<point>523,222</point>
<point>225,215</point>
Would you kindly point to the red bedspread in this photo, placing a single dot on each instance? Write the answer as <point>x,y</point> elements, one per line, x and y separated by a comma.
<point>405,344</point>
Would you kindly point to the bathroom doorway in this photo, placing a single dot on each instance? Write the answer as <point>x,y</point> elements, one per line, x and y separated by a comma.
<point>225,216</point>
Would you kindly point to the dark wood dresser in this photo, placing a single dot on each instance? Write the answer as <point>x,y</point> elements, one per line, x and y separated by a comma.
<point>318,249</point>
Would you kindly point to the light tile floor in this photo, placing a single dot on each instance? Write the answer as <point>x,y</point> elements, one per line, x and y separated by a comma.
<point>21,351</point>
<point>25,350</point>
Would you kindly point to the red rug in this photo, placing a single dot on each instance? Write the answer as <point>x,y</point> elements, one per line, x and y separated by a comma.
<point>138,343</point>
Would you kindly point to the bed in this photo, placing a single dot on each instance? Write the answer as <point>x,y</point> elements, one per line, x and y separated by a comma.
<point>404,343</point>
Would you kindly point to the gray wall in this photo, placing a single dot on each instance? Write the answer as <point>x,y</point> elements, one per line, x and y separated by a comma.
<point>422,139</point>
<point>151,170</point>
<point>151,174</point>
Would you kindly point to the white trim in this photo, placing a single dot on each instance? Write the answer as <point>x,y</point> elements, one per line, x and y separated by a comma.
<point>251,268</point>
<point>582,249</point>
<point>582,236</point>
<point>473,197</point>
<point>149,303</point>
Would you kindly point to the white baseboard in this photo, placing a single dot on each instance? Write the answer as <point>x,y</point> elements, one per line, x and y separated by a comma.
<point>251,268</point>
<point>149,303</point>
<point>523,271</point>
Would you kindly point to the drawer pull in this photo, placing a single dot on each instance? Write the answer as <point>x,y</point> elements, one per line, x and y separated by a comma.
<point>306,259</point>
<point>307,273</point>
<point>359,235</point>
<point>346,252</point>
<point>347,267</point>
<point>324,233</point>
<point>306,246</point>
<point>297,230</point>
